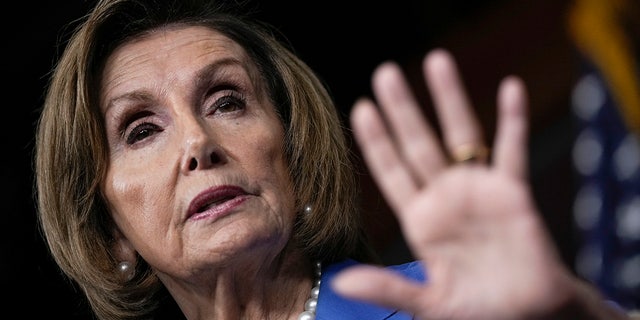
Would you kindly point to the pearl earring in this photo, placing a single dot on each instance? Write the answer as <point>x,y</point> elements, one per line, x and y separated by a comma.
<point>126,270</point>
<point>307,209</point>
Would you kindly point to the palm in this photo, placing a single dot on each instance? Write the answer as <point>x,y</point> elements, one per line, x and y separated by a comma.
<point>481,248</point>
<point>474,225</point>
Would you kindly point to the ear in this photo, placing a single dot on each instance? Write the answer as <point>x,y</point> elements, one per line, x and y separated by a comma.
<point>122,248</point>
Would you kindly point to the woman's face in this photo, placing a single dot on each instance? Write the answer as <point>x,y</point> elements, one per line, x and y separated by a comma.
<point>197,176</point>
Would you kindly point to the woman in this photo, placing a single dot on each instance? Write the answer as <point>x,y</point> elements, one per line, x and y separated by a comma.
<point>184,155</point>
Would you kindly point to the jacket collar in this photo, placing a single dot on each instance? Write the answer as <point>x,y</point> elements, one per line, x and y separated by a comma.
<point>332,306</point>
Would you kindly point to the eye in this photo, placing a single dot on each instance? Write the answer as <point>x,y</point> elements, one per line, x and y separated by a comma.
<point>140,132</point>
<point>230,102</point>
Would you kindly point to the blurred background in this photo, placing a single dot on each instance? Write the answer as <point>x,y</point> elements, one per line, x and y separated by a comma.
<point>578,57</point>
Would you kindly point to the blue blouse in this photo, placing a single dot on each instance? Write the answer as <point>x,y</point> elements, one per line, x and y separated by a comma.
<point>332,306</point>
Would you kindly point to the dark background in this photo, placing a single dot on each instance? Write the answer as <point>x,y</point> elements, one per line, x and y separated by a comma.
<point>343,41</point>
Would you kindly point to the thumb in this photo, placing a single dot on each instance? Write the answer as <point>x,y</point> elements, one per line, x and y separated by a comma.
<point>379,286</point>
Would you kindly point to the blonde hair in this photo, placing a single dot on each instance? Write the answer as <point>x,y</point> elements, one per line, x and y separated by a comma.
<point>72,156</point>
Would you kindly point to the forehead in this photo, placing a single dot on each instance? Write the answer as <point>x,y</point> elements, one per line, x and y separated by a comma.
<point>169,53</point>
<point>169,43</point>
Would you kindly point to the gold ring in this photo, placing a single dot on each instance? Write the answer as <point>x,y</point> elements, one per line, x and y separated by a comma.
<point>470,153</point>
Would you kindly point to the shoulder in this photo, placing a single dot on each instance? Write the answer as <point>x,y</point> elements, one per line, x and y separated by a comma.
<point>332,306</point>
<point>413,269</point>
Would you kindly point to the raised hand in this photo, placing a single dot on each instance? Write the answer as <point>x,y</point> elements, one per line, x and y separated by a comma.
<point>470,219</point>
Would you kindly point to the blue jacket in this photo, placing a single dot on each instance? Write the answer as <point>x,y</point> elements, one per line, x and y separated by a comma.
<point>331,306</point>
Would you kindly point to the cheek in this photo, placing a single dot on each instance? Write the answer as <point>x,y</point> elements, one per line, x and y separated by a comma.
<point>266,151</point>
<point>271,165</point>
<point>123,195</point>
<point>135,199</point>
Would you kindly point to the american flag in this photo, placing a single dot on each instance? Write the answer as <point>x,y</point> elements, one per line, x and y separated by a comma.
<point>606,152</point>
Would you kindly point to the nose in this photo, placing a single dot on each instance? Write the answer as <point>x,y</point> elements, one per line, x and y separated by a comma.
<point>201,150</point>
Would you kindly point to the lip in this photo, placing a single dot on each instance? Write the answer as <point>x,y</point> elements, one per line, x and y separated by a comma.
<point>215,202</point>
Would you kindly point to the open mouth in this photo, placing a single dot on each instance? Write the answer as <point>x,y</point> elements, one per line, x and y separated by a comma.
<point>215,200</point>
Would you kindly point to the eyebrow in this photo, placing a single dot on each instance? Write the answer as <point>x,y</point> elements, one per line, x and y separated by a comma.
<point>204,75</point>
<point>137,95</point>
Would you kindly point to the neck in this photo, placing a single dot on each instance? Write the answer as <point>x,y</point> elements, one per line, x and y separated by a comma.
<point>269,291</point>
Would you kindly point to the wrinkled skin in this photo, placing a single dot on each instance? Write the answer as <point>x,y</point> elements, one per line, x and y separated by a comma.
<point>186,120</point>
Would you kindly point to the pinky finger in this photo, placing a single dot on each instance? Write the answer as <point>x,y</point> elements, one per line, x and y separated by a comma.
<point>510,146</point>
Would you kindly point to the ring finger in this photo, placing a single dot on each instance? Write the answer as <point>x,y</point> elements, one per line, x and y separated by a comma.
<point>461,131</point>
